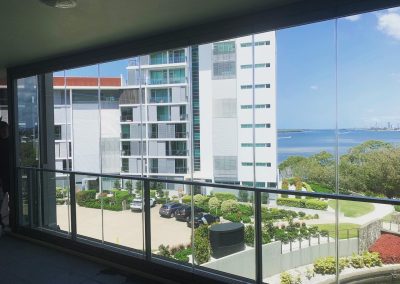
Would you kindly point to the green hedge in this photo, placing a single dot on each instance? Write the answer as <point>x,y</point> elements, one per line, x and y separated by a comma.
<point>303,203</point>
<point>85,195</point>
<point>223,196</point>
<point>106,206</point>
<point>186,199</point>
<point>202,247</point>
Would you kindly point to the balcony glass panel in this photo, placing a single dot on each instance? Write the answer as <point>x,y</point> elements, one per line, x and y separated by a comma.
<point>177,76</point>
<point>158,77</point>
<point>159,58</point>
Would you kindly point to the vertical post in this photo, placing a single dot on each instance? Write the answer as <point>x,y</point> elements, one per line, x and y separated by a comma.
<point>258,236</point>
<point>348,235</point>
<point>32,182</point>
<point>147,222</point>
<point>72,205</point>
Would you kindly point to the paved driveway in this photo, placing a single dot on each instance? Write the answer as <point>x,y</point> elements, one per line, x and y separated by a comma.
<point>126,227</point>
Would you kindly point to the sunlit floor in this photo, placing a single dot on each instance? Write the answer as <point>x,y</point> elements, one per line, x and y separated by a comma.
<point>25,262</point>
<point>126,227</point>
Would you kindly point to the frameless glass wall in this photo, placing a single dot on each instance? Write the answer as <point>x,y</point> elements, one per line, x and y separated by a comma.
<point>308,110</point>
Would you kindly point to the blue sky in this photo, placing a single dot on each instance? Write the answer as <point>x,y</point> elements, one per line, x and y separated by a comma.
<point>368,72</point>
<point>368,69</point>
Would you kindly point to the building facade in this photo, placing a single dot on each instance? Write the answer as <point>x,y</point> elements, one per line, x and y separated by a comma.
<point>180,112</point>
<point>233,75</point>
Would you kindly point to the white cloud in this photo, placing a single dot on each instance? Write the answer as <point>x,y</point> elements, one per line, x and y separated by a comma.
<point>389,24</point>
<point>353,18</point>
<point>394,10</point>
<point>314,87</point>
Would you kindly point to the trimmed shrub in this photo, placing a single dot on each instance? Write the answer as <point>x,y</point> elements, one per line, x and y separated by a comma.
<point>388,247</point>
<point>85,195</point>
<point>249,235</point>
<point>371,259</point>
<point>357,261</point>
<point>153,193</point>
<point>223,196</point>
<point>164,251</point>
<point>325,265</point>
<point>162,200</point>
<point>215,206</point>
<point>245,209</point>
<point>286,278</point>
<point>397,208</point>
<point>202,248</point>
<point>201,201</point>
<point>246,219</point>
<point>183,254</point>
<point>303,203</point>
<point>243,196</point>
<point>186,199</point>
<point>120,196</point>
<point>229,206</point>
<point>233,217</point>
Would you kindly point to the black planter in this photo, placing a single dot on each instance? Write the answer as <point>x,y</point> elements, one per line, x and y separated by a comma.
<point>226,239</point>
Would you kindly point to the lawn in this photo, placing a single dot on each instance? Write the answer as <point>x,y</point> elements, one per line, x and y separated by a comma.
<point>346,230</point>
<point>352,208</point>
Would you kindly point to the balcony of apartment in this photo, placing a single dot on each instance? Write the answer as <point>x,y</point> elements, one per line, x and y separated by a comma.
<point>329,217</point>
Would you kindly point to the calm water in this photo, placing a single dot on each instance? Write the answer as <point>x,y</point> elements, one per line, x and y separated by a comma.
<point>310,142</point>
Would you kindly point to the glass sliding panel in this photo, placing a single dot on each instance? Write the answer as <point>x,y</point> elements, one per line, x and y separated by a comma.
<point>82,84</point>
<point>123,213</point>
<point>158,77</point>
<point>170,232</point>
<point>61,191</point>
<point>177,76</point>
<point>369,140</point>
<point>177,56</point>
<point>159,58</point>
<point>224,231</point>
<point>116,115</point>
<point>90,201</point>
<point>28,122</point>
<point>303,238</point>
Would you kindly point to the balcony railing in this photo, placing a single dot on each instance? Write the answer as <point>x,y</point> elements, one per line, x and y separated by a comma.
<point>253,255</point>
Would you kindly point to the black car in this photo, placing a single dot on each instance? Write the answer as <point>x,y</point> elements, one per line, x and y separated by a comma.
<point>182,213</point>
<point>169,209</point>
<point>202,219</point>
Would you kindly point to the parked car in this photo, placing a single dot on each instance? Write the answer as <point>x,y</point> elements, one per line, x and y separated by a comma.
<point>202,219</point>
<point>137,204</point>
<point>169,209</point>
<point>183,212</point>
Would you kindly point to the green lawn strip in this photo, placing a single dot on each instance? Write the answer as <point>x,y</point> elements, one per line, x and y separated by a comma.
<point>352,208</point>
<point>320,188</point>
<point>346,230</point>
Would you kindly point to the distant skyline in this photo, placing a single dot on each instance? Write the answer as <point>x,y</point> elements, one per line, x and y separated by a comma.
<point>368,72</point>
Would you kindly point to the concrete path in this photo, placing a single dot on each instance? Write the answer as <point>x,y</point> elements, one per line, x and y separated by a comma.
<point>328,216</point>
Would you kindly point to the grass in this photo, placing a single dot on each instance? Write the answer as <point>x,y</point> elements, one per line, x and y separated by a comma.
<point>346,230</point>
<point>321,188</point>
<point>352,208</point>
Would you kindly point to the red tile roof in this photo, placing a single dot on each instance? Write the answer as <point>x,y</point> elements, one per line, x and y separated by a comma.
<point>87,81</point>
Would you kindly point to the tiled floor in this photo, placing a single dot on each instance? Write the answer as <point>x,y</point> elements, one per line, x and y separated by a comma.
<point>25,262</point>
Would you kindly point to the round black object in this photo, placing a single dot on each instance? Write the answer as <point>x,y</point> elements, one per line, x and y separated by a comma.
<point>226,239</point>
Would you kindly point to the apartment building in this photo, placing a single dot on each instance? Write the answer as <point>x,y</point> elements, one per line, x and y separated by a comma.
<point>232,74</point>
<point>155,138</point>
<point>142,126</point>
<point>86,119</point>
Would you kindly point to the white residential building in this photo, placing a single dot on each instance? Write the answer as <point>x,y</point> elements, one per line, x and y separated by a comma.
<point>227,71</point>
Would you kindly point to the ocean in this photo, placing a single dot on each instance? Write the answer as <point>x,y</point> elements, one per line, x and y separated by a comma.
<point>309,142</point>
